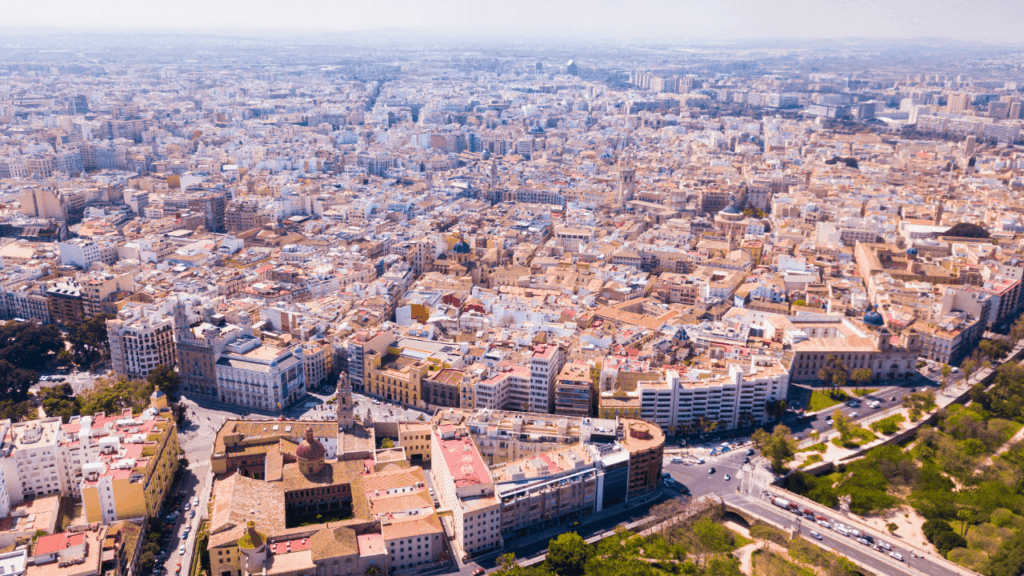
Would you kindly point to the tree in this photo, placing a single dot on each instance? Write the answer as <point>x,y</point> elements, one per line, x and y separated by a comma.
<point>834,373</point>
<point>776,410</point>
<point>965,516</point>
<point>15,382</point>
<point>862,376</point>
<point>778,447</point>
<point>842,425</point>
<point>60,401</point>
<point>968,366</point>
<point>166,379</point>
<point>387,443</point>
<point>892,527</point>
<point>29,346</point>
<point>202,543</point>
<point>568,554</point>
<point>919,403</point>
<point>88,339</point>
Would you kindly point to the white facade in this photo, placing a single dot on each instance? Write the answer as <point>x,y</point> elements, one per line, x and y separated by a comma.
<point>741,398</point>
<point>140,340</point>
<point>251,374</point>
<point>79,252</point>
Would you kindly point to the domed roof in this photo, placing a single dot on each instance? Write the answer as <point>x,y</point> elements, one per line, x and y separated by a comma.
<point>730,210</point>
<point>461,247</point>
<point>911,251</point>
<point>873,318</point>
<point>310,448</point>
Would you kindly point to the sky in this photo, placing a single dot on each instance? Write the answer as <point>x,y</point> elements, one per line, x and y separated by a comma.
<point>989,21</point>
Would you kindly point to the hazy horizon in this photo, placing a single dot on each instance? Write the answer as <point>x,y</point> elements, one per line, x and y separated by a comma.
<point>982,21</point>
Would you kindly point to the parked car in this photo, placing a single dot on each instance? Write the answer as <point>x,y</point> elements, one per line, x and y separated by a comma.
<point>677,459</point>
<point>711,470</point>
<point>750,452</point>
<point>181,550</point>
<point>479,572</point>
<point>727,477</point>
<point>192,514</point>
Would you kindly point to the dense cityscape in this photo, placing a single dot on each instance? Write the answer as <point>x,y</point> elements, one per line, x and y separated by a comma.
<point>299,307</point>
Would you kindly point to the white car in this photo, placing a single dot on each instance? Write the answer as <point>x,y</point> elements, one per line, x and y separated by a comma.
<point>896,555</point>
<point>815,535</point>
<point>824,524</point>
<point>727,477</point>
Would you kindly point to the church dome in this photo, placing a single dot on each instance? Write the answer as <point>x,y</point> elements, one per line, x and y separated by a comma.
<point>873,318</point>
<point>911,251</point>
<point>310,448</point>
<point>461,247</point>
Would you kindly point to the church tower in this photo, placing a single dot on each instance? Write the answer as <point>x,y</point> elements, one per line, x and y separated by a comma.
<point>182,326</point>
<point>343,404</point>
<point>627,181</point>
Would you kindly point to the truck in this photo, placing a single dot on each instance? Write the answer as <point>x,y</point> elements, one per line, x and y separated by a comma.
<point>781,503</point>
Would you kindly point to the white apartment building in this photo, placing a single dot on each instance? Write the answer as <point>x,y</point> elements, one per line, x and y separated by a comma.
<point>259,376</point>
<point>740,398</point>
<point>464,486</point>
<point>141,338</point>
<point>83,253</point>
<point>545,364</point>
<point>29,459</point>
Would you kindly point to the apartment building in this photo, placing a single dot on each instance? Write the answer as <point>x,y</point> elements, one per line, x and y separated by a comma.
<point>686,401</point>
<point>573,389</point>
<point>124,465</point>
<point>356,349</point>
<point>464,486</point>
<point>105,293</point>
<point>30,458</point>
<point>256,375</point>
<point>545,363</point>
<point>141,338</point>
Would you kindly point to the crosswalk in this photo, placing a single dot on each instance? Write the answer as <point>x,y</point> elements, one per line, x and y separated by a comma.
<point>200,464</point>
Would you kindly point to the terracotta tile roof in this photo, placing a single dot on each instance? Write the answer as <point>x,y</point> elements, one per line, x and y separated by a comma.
<point>334,542</point>
<point>238,499</point>
<point>418,526</point>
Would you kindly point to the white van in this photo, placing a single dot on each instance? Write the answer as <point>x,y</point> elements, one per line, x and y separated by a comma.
<point>677,459</point>
<point>843,531</point>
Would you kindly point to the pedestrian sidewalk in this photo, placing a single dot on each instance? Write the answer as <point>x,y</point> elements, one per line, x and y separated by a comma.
<point>550,533</point>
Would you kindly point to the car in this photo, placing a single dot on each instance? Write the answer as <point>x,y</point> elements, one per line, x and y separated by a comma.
<point>181,550</point>
<point>824,524</point>
<point>192,514</point>
<point>815,535</point>
<point>809,516</point>
<point>700,461</point>
<point>184,533</point>
<point>896,555</point>
<point>177,568</point>
<point>711,470</point>
<point>820,518</point>
<point>853,414</point>
<point>187,506</point>
<point>885,545</point>
<point>479,572</point>
<point>750,452</point>
<point>727,477</point>
<point>746,459</point>
<point>195,501</point>
<point>864,541</point>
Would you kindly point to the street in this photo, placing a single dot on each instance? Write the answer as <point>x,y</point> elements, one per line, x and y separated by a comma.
<point>880,563</point>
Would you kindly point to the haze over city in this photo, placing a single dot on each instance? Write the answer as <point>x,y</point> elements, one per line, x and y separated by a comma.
<point>424,288</point>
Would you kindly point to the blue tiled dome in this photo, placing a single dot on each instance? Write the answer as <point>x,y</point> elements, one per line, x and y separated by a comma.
<point>461,247</point>
<point>873,318</point>
<point>911,251</point>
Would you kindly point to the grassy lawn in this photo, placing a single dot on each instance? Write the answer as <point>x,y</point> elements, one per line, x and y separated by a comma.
<point>819,447</point>
<point>888,426</point>
<point>858,437</point>
<point>865,391</point>
<point>770,563</point>
<point>823,399</point>
<point>812,459</point>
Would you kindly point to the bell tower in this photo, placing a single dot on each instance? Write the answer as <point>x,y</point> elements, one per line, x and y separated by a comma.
<point>627,181</point>
<point>343,404</point>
